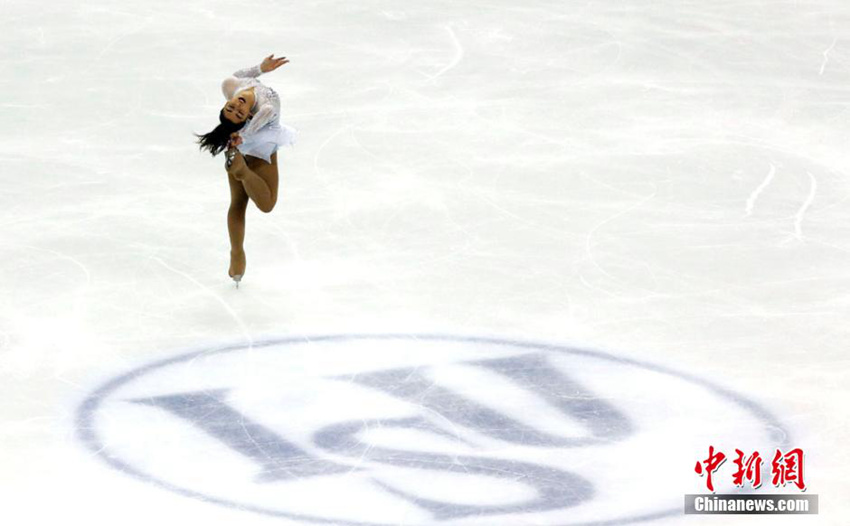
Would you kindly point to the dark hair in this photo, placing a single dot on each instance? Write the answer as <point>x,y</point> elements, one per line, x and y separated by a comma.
<point>216,141</point>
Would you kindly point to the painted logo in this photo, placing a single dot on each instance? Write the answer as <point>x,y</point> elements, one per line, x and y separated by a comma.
<point>418,429</point>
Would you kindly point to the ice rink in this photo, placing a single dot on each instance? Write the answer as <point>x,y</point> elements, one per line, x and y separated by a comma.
<point>530,260</point>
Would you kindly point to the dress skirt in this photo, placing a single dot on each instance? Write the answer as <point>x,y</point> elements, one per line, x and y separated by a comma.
<point>267,140</point>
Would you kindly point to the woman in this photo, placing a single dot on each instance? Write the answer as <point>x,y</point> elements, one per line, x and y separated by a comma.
<point>250,130</point>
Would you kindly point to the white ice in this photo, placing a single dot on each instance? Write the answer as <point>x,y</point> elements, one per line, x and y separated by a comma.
<point>663,180</point>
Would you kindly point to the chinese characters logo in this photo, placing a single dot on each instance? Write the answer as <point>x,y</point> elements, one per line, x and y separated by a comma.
<point>785,468</point>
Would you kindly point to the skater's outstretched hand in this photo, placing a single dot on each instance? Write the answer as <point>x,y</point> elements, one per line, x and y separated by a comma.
<point>270,63</point>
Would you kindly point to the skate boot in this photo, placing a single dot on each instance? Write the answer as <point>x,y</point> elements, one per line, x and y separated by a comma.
<point>237,266</point>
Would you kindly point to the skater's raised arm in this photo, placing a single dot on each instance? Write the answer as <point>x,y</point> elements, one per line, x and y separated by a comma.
<point>231,84</point>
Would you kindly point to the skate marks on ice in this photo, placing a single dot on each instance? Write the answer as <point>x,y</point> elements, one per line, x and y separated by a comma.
<point>418,429</point>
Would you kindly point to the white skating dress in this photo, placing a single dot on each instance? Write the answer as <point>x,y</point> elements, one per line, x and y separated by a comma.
<point>263,134</point>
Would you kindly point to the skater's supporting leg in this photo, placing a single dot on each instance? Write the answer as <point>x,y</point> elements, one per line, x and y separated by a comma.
<point>236,226</point>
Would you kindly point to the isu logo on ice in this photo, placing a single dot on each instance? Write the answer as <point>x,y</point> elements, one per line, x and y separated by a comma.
<point>427,429</point>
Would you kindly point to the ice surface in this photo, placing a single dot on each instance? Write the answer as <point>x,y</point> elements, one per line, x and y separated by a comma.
<point>663,181</point>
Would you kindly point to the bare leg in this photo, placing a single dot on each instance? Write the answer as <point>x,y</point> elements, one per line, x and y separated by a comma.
<point>236,226</point>
<point>259,179</point>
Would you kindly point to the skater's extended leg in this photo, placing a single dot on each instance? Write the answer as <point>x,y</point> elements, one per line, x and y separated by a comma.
<point>259,179</point>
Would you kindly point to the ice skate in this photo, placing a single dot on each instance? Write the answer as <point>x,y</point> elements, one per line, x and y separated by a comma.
<point>237,266</point>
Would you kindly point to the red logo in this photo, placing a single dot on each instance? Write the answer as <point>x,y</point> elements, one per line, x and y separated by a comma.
<point>785,468</point>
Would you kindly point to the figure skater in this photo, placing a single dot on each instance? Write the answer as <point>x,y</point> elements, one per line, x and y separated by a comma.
<point>250,130</point>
